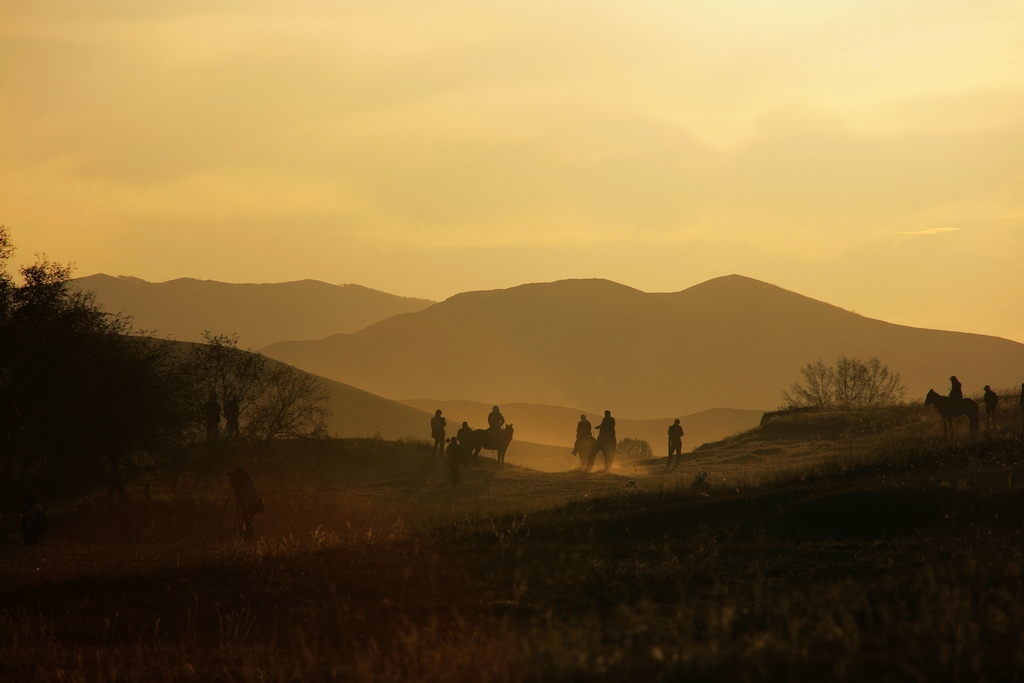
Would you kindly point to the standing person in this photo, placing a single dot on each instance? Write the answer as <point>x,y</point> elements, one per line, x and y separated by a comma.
<point>991,403</point>
<point>956,392</point>
<point>247,500</point>
<point>675,443</point>
<point>495,420</point>
<point>454,453</point>
<point>212,418</point>
<point>231,412</point>
<point>437,425</point>
<point>583,430</point>
<point>33,521</point>
<point>464,434</point>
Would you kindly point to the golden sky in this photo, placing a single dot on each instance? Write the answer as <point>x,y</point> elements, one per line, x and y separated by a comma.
<point>866,153</point>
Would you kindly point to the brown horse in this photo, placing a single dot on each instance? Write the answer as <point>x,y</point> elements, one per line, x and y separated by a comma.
<point>490,439</point>
<point>949,408</point>
<point>588,448</point>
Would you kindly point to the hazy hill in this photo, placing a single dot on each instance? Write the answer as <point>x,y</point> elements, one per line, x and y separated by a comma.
<point>731,341</point>
<point>260,313</point>
<point>556,425</point>
<point>358,413</point>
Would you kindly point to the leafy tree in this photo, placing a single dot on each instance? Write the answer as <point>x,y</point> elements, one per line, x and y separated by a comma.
<point>849,383</point>
<point>275,400</point>
<point>80,396</point>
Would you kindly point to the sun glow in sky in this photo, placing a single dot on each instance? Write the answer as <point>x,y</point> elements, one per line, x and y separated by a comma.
<point>866,153</point>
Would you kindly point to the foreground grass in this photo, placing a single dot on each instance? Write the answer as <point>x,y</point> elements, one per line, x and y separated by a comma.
<point>903,566</point>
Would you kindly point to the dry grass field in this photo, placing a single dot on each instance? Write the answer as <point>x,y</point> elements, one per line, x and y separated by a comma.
<point>858,546</point>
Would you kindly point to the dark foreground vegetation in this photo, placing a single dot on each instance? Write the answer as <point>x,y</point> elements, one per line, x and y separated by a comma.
<point>901,560</point>
<point>84,396</point>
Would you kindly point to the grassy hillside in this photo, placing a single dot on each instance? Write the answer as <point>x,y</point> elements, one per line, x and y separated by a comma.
<point>861,546</point>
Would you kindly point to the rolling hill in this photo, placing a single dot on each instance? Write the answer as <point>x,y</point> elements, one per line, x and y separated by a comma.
<point>259,313</point>
<point>728,342</point>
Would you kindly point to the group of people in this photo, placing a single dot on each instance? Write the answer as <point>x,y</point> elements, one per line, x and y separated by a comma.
<point>606,438</point>
<point>989,398</point>
<point>455,451</point>
<point>608,442</point>
<point>587,447</point>
<point>211,416</point>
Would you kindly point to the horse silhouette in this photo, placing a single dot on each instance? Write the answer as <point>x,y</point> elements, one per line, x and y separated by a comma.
<point>949,408</point>
<point>492,440</point>
<point>588,448</point>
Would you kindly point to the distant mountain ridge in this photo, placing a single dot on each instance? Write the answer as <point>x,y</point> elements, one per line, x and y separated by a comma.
<point>728,342</point>
<point>260,314</point>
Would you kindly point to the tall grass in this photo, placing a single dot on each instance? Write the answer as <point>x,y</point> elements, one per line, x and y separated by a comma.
<point>790,571</point>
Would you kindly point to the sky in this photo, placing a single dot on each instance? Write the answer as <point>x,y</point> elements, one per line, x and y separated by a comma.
<point>866,153</point>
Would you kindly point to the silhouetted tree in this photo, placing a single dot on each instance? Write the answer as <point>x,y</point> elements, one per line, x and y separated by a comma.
<point>80,396</point>
<point>275,400</point>
<point>849,383</point>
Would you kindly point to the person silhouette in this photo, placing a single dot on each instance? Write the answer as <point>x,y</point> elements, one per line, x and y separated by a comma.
<point>212,418</point>
<point>231,413</point>
<point>991,403</point>
<point>675,443</point>
<point>247,500</point>
<point>465,432</point>
<point>583,430</point>
<point>956,392</point>
<point>437,425</point>
<point>606,441</point>
<point>454,453</point>
<point>495,420</point>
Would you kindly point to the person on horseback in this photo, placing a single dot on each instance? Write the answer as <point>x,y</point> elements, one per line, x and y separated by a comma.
<point>606,441</point>
<point>956,392</point>
<point>437,425</point>
<point>606,430</point>
<point>495,420</point>
<point>583,431</point>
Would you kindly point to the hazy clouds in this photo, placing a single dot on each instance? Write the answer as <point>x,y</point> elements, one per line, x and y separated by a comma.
<point>861,152</point>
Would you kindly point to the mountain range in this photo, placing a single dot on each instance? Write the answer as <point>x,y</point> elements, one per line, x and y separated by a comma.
<point>259,314</point>
<point>728,342</point>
